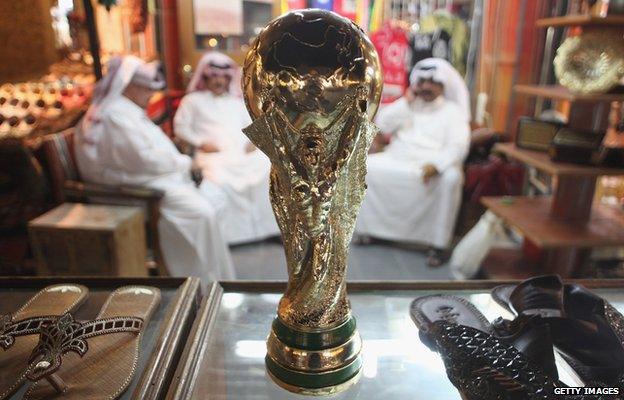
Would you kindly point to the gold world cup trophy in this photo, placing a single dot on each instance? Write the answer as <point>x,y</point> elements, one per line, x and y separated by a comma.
<point>312,85</point>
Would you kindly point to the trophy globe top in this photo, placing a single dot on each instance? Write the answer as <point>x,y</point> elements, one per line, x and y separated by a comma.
<point>308,64</point>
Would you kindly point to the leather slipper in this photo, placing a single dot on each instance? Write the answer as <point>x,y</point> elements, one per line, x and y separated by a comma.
<point>93,360</point>
<point>504,360</point>
<point>587,330</point>
<point>19,331</point>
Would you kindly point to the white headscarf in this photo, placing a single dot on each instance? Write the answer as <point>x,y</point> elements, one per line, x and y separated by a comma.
<point>120,72</point>
<point>219,62</point>
<point>442,71</point>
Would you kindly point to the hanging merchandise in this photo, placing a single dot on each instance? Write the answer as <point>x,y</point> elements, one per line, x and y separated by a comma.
<point>376,15</point>
<point>346,8</point>
<point>362,13</point>
<point>448,38</point>
<point>322,4</point>
<point>392,45</point>
<point>138,17</point>
<point>288,5</point>
<point>427,45</point>
<point>108,3</point>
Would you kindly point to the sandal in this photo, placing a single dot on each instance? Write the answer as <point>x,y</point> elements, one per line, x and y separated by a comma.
<point>588,332</point>
<point>19,330</point>
<point>95,359</point>
<point>506,360</point>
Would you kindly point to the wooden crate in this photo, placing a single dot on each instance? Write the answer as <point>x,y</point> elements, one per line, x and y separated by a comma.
<point>87,239</point>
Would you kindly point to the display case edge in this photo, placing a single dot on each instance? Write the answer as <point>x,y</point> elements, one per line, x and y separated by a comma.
<point>182,384</point>
<point>173,335</point>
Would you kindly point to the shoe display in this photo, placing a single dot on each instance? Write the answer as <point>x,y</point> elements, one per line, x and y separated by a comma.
<point>19,330</point>
<point>511,361</point>
<point>502,360</point>
<point>94,359</point>
<point>587,331</point>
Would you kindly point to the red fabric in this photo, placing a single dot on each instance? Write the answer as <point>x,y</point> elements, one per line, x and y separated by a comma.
<point>158,112</point>
<point>346,8</point>
<point>496,177</point>
<point>156,109</point>
<point>138,17</point>
<point>392,44</point>
<point>296,4</point>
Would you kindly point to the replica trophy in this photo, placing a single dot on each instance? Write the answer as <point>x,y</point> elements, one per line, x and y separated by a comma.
<point>312,84</point>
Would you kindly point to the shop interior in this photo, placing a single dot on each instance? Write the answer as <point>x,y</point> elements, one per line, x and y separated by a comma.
<point>172,172</point>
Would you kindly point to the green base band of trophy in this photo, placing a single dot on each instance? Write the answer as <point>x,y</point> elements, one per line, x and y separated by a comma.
<point>314,362</point>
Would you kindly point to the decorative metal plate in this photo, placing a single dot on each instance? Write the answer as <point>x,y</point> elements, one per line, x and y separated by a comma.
<point>592,62</point>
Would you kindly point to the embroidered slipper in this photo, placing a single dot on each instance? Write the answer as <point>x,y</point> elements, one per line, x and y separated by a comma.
<point>19,331</point>
<point>95,359</point>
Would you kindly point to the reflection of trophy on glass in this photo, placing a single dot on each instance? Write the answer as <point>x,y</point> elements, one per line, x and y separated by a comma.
<point>312,84</point>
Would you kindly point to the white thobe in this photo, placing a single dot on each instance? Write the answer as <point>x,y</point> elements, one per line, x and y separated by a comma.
<point>126,148</point>
<point>205,118</point>
<point>398,204</point>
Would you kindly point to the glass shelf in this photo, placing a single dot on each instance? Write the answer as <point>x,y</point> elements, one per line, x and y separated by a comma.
<point>226,358</point>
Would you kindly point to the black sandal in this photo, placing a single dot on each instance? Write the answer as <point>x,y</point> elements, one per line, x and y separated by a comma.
<point>507,360</point>
<point>587,331</point>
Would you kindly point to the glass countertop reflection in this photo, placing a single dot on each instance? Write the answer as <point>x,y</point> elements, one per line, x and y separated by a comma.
<point>396,365</point>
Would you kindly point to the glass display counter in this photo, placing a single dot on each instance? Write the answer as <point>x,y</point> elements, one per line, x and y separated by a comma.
<point>224,359</point>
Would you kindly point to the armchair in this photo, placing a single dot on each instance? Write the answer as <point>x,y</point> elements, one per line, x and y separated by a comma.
<point>65,184</point>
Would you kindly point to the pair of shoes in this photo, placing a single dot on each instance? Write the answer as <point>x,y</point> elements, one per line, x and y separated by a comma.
<point>42,342</point>
<point>587,331</point>
<point>515,359</point>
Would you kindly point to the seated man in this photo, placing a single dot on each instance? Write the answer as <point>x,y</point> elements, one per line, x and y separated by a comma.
<point>117,144</point>
<point>415,183</point>
<point>211,118</point>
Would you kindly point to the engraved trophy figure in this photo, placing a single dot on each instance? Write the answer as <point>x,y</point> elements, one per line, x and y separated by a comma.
<point>312,84</point>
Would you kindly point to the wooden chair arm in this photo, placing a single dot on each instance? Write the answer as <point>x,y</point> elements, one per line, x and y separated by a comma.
<point>75,189</point>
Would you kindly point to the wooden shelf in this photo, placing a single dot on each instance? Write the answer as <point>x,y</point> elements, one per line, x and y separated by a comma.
<point>541,161</point>
<point>531,216</point>
<point>582,20</point>
<point>559,92</point>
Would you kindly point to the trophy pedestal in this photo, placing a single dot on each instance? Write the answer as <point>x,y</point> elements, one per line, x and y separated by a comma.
<point>316,362</point>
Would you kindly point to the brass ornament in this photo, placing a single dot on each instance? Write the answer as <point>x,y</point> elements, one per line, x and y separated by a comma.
<point>592,62</point>
<point>312,84</point>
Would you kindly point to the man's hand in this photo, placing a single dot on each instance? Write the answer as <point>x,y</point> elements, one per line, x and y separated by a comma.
<point>429,171</point>
<point>208,148</point>
<point>249,147</point>
<point>379,142</point>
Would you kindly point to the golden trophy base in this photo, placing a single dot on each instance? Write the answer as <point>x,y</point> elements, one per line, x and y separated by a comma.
<point>314,362</point>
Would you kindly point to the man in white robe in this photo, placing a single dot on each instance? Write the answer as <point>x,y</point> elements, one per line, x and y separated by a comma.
<point>117,144</point>
<point>211,118</point>
<point>415,183</point>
